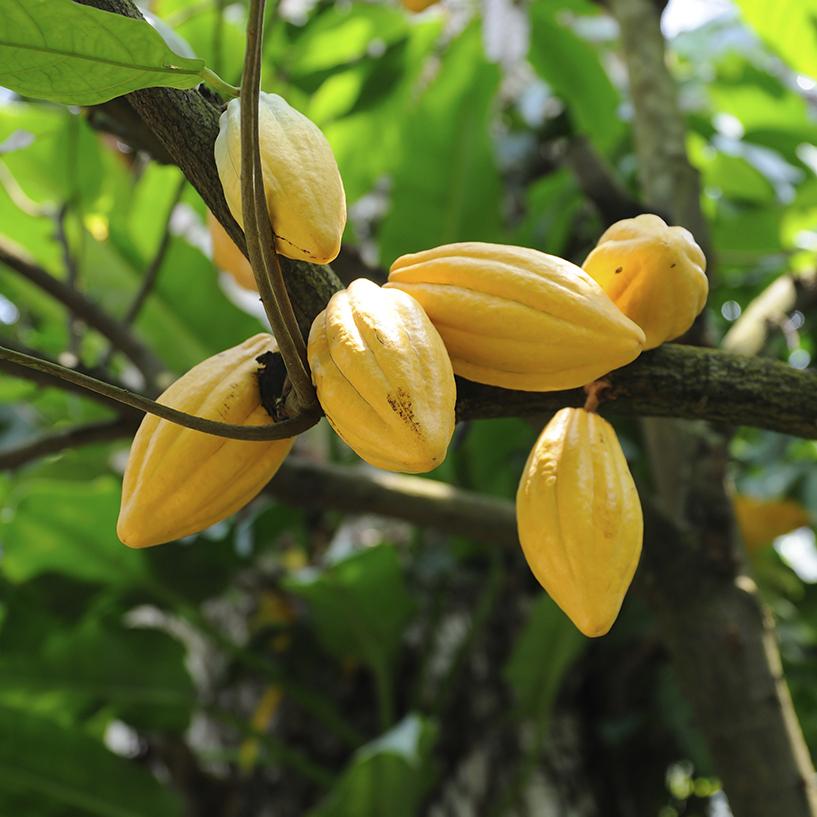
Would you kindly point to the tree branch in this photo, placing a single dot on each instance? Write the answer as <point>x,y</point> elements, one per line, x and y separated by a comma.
<point>675,381</point>
<point>719,635</point>
<point>103,431</point>
<point>144,360</point>
<point>187,124</point>
<point>152,272</point>
<point>671,381</point>
<point>423,502</point>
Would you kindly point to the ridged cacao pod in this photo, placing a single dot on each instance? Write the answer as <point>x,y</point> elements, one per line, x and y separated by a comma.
<point>518,318</point>
<point>179,481</point>
<point>383,377</point>
<point>761,521</point>
<point>227,257</point>
<point>655,274</point>
<point>579,518</point>
<point>305,198</point>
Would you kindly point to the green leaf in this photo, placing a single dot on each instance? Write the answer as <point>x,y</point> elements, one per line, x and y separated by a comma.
<point>359,605</point>
<point>446,186</point>
<point>736,178</point>
<point>342,34</point>
<point>64,52</point>
<point>542,654</point>
<point>66,527</point>
<point>140,673</point>
<point>787,26</point>
<point>66,767</point>
<point>571,67</point>
<point>387,777</point>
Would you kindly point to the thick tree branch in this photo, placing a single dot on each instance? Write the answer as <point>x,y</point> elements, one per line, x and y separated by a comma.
<point>676,381</point>
<point>186,124</point>
<point>423,502</point>
<point>671,381</point>
<point>720,638</point>
<point>81,307</point>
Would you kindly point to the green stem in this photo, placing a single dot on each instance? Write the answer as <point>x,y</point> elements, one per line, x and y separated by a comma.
<point>273,431</point>
<point>219,85</point>
<point>258,230</point>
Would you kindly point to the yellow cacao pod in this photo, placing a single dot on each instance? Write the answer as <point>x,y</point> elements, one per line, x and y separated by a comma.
<point>418,5</point>
<point>655,274</point>
<point>227,257</point>
<point>179,481</point>
<point>305,198</point>
<point>761,521</point>
<point>579,518</point>
<point>518,318</point>
<point>383,377</point>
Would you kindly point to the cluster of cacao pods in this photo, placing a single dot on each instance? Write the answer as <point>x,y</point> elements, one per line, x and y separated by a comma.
<point>383,361</point>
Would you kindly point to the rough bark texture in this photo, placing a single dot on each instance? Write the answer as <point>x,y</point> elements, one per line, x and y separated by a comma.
<point>720,637</point>
<point>186,124</point>
<point>675,381</point>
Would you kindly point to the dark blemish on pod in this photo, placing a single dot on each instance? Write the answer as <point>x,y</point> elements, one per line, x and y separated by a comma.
<point>401,405</point>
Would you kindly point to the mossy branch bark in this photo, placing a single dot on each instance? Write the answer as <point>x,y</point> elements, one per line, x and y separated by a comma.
<point>186,124</point>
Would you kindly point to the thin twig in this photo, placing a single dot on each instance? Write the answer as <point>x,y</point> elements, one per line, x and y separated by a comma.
<point>145,361</point>
<point>151,274</point>
<point>274,431</point>
<point>102,431</point>
<point>71,278</point>
<point>26,373</point>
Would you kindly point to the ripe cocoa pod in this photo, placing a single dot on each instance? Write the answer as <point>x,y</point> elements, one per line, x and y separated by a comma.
<point>418,5</point>
<point>579,518</point>
<point>761,521</point>
<point>655,275</point>
<point>518,318</point>
<point>227,257</point>
<point>383,377</point>
<point>305,198</point>
<point>179,481</point>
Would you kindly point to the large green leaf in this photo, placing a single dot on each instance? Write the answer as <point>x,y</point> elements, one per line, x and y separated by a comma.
<point>387,777</point>
<point>359,605</point>
<point>446,186</point>
<point>140,673</point>
<point>571,67</point>
<point>342,34</point>
<point>367,141</point>
<point>66,527</point>
<point>65,52</point>
<point>51,764</point>
<point>787,26</point>
<point>542,654</point>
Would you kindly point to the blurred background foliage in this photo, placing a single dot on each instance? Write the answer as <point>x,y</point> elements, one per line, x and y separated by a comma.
<point>309,663</point>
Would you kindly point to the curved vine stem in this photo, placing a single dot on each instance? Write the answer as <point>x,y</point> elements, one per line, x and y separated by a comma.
<point>258,229</point>
<point>275,431</point>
